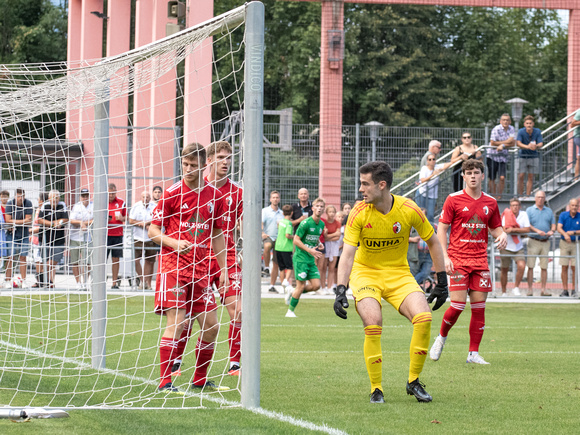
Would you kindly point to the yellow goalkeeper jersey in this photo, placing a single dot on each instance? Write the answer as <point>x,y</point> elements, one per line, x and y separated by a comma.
<point>383,240</point>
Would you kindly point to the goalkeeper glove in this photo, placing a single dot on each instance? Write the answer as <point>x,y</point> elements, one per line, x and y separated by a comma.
<point>341,302</point>
<point>440,292</point>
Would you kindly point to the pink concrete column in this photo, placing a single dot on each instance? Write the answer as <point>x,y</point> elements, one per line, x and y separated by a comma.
<point>118,41</point>
<point>330,108</point>
<point>154,106</point>
<point>198,73</point>
<point>85,44</point>
<point>573,68</point>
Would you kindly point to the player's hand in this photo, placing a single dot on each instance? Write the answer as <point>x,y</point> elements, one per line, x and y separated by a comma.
<point>183,246</point>
<point>223,282</point>
<point>316,254</point>
<point>449,268</point>
<point>501,241</point>
<point>440,292</point>
<point>340,302</point>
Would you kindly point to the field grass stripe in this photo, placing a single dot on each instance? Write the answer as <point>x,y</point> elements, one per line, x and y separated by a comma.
<point>260,411</point>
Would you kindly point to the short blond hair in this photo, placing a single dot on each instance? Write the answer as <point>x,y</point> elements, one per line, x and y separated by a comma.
<point>215,147</point>
<point>319,199</point>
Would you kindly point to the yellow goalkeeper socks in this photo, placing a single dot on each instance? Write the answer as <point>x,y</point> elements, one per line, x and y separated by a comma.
<point>419,344</point>
<point>373,356</point>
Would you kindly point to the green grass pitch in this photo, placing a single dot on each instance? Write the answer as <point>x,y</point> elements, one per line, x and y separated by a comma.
<point>312,370</point>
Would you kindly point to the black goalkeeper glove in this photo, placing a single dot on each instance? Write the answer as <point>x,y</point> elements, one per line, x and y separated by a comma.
<point>440,292</point>
<point>341,302</point>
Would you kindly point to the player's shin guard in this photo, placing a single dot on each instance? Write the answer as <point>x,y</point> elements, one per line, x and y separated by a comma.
<point>476,326</point>
<point>373,356</point>
<point>419,344</point>
<point>293,303</point>
<point>234,337</point>
<point>450,317</point>
<point>203,355</point>
<point>167,350</point>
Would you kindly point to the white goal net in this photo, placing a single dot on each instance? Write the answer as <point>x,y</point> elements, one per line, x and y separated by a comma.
<point>70,334</point>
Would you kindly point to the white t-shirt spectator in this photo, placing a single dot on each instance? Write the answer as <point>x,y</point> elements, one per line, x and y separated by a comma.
<point>432,185</point>
<point>270,219</point>
<point>140,212</point>
<point>523,221</point>
<point>80,213</point>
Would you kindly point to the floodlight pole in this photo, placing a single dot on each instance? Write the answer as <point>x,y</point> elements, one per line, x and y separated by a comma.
<point>101,206</point>
<point>252,197</point>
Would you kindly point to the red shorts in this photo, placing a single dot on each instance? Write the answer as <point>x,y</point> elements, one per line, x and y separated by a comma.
<point>466,277</point>
<point>234,277</point>
<point>193,296</point>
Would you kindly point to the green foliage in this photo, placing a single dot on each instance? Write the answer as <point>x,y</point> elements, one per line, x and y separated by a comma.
<point>32,31</point>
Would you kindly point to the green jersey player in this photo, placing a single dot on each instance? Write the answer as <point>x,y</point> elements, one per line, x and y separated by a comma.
<point>306,240</point>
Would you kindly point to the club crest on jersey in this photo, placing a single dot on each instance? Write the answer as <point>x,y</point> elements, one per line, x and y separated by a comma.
<point>229,200</point>
<point>210,206</point>
<point>486,210</point>
<point>397,227</point>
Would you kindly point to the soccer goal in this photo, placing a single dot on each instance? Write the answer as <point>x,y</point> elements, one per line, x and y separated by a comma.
<point>80,339</point>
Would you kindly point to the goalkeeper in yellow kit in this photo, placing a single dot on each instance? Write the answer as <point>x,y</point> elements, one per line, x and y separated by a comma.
<point>379,227</point>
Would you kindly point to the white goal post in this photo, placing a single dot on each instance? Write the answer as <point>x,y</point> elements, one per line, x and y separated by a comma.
<point>75,341</point>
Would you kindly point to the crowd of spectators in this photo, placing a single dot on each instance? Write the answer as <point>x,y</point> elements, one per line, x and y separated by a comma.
<point>45,235</point>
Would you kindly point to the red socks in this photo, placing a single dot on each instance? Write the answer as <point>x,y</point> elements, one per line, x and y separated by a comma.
<point>167,351</point>
<point>476,326</point>
<point>450,317</point>
<point>234,337</point>
<point>203,355</point>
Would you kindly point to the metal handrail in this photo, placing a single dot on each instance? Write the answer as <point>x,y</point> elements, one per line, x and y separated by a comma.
<point>563,119</point>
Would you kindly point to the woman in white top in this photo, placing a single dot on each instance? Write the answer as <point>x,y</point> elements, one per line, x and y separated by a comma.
<point>428,189</point>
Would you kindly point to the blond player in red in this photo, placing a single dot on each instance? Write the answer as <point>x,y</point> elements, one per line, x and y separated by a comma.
<point>471,214</point>
<point>186,221</point>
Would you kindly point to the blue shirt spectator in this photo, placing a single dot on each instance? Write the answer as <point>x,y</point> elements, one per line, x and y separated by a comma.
<point>526,138</point>
<point>569,223</point>
<point>541,219</point>
<point>19,209</point>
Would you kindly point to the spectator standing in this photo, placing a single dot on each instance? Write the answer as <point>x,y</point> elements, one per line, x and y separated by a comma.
<point>271,215</point>
<point>502,137</point>
<point>434,148</point>
<point>346,208</point>
<point>36,242</point>
<point>569,228</point>
<point>429,188</point>
<point>467,150</point>
<point>529,140</point>
<point>4,197</point>
<point>331,250</point>
<point>413,252</point>
<point>302,209</point>
<point>543,223</point>
<point>81,220</point>
<point>53,217</point>
<point>18,215</point>
<point>117,218</point>
<point>515,224</point>
<point>157,194</point>
<point>284,247</point>
<point>425,262</point>
<point>145,250</point>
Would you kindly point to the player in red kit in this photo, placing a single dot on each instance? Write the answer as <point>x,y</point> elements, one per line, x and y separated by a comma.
<point>191,214</point>
<point>471,214</point>
<point>219,158</point>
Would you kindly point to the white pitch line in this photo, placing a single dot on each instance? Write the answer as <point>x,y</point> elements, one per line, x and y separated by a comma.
<point>270,414</point>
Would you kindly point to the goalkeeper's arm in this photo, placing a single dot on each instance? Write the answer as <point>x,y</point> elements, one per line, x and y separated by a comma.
<point>344,269</point>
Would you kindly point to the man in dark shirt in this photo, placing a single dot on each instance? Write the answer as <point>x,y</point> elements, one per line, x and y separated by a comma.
<point>302,209</point>
<point>53,217</point>
<point>18,219</point>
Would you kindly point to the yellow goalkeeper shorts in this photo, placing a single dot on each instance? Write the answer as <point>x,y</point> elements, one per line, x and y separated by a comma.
<point>391,285</point>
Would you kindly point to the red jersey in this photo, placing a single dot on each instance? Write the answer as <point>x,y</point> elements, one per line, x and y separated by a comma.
<point>231,193</point>
<point>469,219</point>
<point>115,225</point>
<point>187,215</point>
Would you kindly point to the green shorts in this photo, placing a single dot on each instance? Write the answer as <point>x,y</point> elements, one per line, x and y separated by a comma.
<point>304,271</point>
